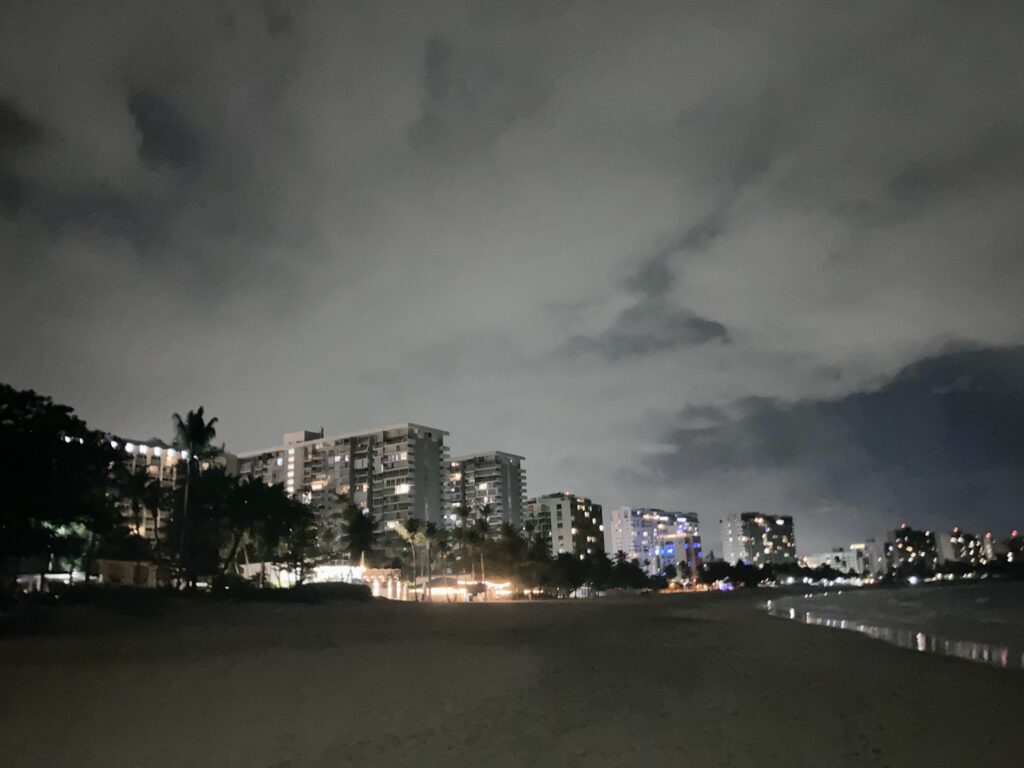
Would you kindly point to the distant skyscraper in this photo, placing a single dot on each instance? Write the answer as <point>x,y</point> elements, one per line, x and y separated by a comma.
<point>759,539</point>
<point>494,478</point>
<point>658,539</point>
<point>572,524</point>
<point>395,472</point>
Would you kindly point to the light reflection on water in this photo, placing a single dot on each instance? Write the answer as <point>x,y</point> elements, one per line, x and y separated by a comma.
<point>983,653</point>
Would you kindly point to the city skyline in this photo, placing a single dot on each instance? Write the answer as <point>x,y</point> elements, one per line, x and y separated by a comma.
<point>695,258</point>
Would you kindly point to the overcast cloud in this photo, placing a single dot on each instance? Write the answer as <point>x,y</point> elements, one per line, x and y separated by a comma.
<point>711,256</point>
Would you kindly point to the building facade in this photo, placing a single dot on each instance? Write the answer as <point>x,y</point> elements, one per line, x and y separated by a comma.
<point>912,550</point>
<point>656,538</point>
<point>495,480</point>
<point>758,539</point>
<point>842,560</point>
<point>163,463</point>
<point>394,472</point>
<point>572,524</point>
<point>871,555</point>
<point>961,547</point>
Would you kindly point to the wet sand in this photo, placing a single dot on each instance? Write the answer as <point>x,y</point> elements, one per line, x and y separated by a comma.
<point>677,680</point>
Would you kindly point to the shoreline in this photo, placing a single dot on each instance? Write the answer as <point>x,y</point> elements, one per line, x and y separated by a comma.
<point>912,619</point>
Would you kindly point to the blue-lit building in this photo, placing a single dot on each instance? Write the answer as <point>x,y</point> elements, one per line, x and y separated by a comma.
<point>657,539</point>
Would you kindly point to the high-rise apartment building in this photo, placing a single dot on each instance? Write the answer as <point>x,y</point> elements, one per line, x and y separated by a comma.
<point>758,539</point>
<point>396,472</point>
<point>494,480</point>
<point>572,524</point>
<point>654,537</point>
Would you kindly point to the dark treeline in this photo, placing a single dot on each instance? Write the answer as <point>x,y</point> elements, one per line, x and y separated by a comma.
<point>72,500</point>
<point>519,555</point>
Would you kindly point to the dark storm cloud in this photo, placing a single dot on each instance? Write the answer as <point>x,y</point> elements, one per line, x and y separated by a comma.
<point>166,140</point>
<point>647,328</point>
<point>278,22</point>
<point>469,98</point>
<point>940,442</point>
<point>17,132</point>
<point>995,157</point>
<point>654,323</point>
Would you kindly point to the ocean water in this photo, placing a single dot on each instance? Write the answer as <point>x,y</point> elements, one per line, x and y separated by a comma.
<point>981,621</point>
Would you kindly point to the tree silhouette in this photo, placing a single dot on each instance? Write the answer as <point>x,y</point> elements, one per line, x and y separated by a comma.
<point>361,532</point>
<point>193,435</point>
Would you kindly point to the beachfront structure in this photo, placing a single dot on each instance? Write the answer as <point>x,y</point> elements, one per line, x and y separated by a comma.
<point>494,480</point>
<point>839,559</point>
<point>871,557</point>
<point>758,539</point>
<point>654,537</point>
<point>572,524</point>
<point>910,549</point>
<point>161,462</point>
<point>394,472</point>
<point>961,547</point>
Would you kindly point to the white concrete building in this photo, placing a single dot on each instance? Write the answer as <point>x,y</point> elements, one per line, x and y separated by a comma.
<point>396,472</point>
<point>758,539</point>
<point>573,524</point>
<point>656,538</point>
<point>842,560</point>
<point>494,478</point>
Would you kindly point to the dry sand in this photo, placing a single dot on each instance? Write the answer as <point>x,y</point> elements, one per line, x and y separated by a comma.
<point>701,680</point>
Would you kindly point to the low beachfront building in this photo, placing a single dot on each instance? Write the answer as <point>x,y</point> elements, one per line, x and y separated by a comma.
<point>655,538</point>
<point>839,559</point>
<point>871,557</point>
<point>164,463</point>
<point>572,524</point>
<point>758,539</point>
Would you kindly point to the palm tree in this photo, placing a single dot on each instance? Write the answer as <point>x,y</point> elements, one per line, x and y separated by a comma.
<point>142,492</point>
<point>133,490</point>
<point>193,436</point>
<point>361,531</point>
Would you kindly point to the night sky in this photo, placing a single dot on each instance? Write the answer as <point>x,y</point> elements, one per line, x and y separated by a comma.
<point>709,256</point>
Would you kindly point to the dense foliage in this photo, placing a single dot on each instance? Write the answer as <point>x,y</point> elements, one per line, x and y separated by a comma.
<point>71,499</point>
